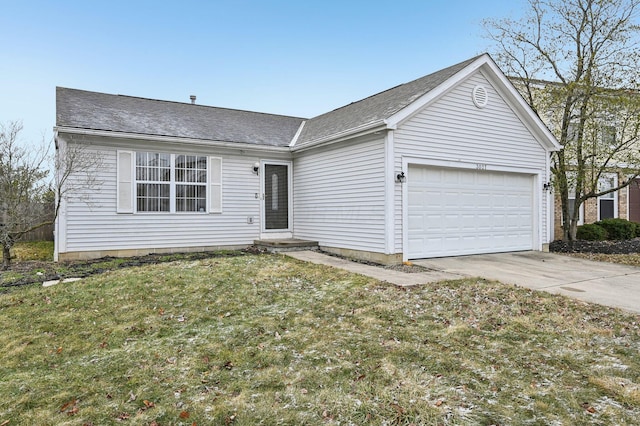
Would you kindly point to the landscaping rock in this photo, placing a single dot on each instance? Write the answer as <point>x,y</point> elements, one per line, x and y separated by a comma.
<point>604,247</point>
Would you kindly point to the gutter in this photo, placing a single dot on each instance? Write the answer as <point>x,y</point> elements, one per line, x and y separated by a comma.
<point>170,139</point>
<point>362,130</point>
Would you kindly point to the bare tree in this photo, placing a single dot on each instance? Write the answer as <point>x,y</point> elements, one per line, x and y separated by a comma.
<point>576,63</point>
<point>26,184</point>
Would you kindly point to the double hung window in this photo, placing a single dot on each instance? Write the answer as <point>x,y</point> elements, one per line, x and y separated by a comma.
<point>191,183</point>
<point>153,182</point>
<point>607,203</point>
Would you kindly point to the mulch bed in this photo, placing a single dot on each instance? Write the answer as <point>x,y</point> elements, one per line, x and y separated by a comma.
<point>81,269</point>
<point>603,247</point>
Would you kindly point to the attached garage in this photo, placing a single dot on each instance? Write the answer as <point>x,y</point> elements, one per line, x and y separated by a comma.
<point>454,211</point>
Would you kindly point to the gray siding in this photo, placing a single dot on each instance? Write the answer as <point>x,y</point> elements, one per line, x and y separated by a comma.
<point>339,196</point>
<point>454,129</point>
<point>97,226</point>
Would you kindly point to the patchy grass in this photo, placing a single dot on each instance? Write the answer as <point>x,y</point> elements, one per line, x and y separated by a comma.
<point>268,340</point>
<point>36,250</point>
<point>35,272</point>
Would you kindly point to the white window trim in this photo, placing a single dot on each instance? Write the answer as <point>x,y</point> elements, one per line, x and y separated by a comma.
<point>278,233</point>
<point>572,196</point>
<point>131,183</point>
<point>580,212</point>
<point>614,198</point>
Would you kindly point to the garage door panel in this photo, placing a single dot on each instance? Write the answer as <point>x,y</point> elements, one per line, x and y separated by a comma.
<point>456,212</point>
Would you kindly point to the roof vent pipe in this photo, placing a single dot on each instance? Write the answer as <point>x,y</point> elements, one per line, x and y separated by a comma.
<point>193,99</point>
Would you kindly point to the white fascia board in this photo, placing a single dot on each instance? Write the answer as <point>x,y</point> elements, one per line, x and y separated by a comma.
<point>297,135</point>
<point>171,139</point>
<point>365,129</point>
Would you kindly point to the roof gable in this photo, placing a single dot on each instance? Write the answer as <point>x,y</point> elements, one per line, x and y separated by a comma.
<point>374,109</point>
<point>389,108</point>
<point>126,114</point>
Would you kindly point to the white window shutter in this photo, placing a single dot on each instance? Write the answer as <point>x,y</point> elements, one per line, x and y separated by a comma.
<point>215,183</point>
<point>125,183</point>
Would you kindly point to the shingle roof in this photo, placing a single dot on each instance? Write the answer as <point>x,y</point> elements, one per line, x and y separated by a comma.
<point>99,111</point>
<point>375,108</point>
<point>117,113</point>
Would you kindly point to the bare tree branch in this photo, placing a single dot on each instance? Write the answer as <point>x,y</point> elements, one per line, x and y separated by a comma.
<point>575,62</point>
<point>30,196</point>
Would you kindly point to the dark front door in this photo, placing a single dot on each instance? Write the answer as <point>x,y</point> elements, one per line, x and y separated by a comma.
<point>276,196</point>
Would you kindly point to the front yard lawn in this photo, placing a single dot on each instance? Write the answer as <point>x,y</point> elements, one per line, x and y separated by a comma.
<point>263,339</point>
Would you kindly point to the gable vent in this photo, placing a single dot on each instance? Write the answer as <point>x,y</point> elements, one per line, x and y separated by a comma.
<point>480,96</point>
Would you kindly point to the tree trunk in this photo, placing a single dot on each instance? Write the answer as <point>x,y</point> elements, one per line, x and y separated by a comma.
<point>6,258</point>
<point>573,230</point>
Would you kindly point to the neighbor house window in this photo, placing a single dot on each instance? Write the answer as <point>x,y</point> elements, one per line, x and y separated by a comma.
<point>607,203</point>
<point>571,177</point>
<point>571,207</point>
<point>608,135</point>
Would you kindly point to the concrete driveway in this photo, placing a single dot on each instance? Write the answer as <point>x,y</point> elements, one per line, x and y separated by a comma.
<point>599,282</point>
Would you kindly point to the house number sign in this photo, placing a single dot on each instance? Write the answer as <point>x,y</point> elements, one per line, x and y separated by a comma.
<point>481,166</point>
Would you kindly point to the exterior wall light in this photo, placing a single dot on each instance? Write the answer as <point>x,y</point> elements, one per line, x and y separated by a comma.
<point>401,178</point>
<point>547,186</point>
<point>256,167</point>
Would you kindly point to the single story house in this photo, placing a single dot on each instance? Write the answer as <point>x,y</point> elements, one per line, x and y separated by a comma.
<point>453,163</point>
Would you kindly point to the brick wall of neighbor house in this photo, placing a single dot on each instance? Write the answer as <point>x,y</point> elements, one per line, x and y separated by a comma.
<point>557,218</point>
<point>590,208</point>
<point>623,203</point>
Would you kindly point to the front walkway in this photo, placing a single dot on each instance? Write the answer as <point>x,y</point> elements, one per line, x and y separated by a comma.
<point>377,272</point>
<point>604,283</point>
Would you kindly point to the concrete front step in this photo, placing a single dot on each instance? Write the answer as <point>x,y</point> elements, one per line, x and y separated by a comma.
<point>288,244</point>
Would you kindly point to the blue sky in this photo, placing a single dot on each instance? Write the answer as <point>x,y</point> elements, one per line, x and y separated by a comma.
<point>299,58</point>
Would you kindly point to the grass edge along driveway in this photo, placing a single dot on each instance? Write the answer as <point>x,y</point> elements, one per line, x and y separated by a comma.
<point>270,340</point>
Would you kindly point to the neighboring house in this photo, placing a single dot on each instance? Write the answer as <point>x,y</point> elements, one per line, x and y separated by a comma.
<point>453,163</point>
<point>624,203</point>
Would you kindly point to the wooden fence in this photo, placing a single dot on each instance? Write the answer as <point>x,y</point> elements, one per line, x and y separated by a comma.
<point>44,233</point>
<point>42,212</point>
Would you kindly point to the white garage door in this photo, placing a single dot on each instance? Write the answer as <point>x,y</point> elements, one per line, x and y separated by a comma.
<point>459,211</point>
